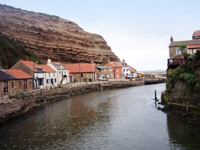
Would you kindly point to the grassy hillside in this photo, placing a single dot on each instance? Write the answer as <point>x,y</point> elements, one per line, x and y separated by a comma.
<point>12,50</point>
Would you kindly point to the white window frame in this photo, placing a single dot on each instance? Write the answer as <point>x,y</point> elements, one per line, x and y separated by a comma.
<point>178,51</point>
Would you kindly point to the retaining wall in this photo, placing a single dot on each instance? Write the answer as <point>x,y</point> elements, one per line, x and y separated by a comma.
<point>17,106</point>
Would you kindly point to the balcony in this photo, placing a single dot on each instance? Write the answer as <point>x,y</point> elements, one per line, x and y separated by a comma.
<point>173,63</point>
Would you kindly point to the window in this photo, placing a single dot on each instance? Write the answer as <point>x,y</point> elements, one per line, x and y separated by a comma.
<point>117,70</point>
<point>25,84</point>
<point>178,51</point>
<point>55,79</point>
<point>127,69</point>
<point>117,75</point>
<point>81,74</point>
<point>29,82</point>
<point>65,72</point>
<point>11,84</point>
<point>49,74</point>
<point>124,69</point>
<point>111,75</point>
<point>20,83</point>
<point>102,69</point>
<point>54,74</point>
<point>5,86</point>
<point>110,69</point>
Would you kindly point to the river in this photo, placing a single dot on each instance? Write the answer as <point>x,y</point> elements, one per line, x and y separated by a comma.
<point>119,119</point>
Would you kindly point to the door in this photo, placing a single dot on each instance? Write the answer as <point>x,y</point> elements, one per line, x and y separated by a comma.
<point>5,86</point>
<point>25,84</point>
<point>52,81</point>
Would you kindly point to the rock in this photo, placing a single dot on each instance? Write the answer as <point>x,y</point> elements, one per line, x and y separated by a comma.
<point>51,36</point>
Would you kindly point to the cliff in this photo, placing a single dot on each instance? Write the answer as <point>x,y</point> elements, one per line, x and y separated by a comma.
<point>51,36</point>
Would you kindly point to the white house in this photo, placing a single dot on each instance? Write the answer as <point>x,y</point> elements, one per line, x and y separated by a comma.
<point>61,71</point>
<point>126,70</point>
<point>50,76</point>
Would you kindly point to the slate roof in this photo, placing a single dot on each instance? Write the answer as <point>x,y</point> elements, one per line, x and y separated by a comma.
<point>178,43</point>
<point>19,74</point>
<point>4,76</point>
<point>119,64</point>
<point>76,68</point>
<point>46,68</point>
<point>58,66</point>
<point>103,67</point>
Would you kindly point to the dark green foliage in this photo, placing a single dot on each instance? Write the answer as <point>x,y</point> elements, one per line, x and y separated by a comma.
<point>12,51</point>
<point>182,47</point>
<point>186,73</point>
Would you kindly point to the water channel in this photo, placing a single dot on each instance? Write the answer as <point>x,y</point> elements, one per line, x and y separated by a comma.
<point>112,120</point>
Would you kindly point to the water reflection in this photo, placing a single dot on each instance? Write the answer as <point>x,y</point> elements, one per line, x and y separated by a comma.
<point>183,134</point>
<point>112,119</point>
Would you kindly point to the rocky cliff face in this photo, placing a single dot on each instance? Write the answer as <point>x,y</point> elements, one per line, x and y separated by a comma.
<point>54,37</point>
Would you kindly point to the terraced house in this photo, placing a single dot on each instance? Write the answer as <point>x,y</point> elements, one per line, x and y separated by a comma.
<point>121,69</point>
<point>62,72</point>
<point>82,72</point>
<point>13,81</point>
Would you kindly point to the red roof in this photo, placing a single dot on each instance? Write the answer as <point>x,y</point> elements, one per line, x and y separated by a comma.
<point>19,74</point>
<point>196,33</point>
<point>76,68</point>
<point>30,65</point>
<point>193,46</point>
<point>46,68</point>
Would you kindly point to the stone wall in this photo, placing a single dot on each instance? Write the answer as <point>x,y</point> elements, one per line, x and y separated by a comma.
<point>20,105</point>
<point>182,94</point>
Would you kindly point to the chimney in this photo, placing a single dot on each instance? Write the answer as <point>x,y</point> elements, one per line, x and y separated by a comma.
<point>48,61</point>
<point>26,57</point>
<point>171,39</point>
<point>123,60</point>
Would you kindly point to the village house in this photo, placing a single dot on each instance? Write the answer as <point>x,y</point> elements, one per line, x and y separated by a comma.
<point>176,55</point>
<point>62,72</point>
<point>6,82</point>
<point>13,81</point>
<point>82,72</point>
<point>121,69</point>
<point>104,71</point>
<point>50,76</point>
<point>33,70</point>
<point>133,71</point>
<point>24,81</point>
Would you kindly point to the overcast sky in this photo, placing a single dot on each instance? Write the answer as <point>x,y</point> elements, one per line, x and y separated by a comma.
<point>137,31</point>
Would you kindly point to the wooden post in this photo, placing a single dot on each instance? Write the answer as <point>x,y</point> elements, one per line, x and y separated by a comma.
<point>187,107</point>
<point>155,96</point>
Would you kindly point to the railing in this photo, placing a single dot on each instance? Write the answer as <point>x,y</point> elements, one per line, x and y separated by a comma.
<point>173,63</point>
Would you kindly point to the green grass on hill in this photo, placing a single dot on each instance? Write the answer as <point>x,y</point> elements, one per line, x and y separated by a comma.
<point>12,50</point>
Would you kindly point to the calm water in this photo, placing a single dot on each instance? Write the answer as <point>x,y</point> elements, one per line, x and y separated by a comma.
<point>119,119</point>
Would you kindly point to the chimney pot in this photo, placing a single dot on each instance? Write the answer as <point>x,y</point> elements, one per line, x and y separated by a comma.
<point>171,39</point>
<point>26,57</point>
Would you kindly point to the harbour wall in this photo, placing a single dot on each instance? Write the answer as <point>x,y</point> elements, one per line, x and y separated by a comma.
<point>23,102</point>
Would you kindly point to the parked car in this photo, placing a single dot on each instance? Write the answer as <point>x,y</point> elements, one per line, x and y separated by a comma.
<point>103,78</point>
